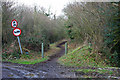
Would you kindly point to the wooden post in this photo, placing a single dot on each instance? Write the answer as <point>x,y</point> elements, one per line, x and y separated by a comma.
<point>42,49</point>
<point>66,48</point>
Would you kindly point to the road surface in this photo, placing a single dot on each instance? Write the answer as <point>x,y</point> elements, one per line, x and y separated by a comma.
<point>46,69</point>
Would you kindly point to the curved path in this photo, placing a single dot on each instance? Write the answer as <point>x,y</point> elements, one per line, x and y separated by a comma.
<point>46,69</point>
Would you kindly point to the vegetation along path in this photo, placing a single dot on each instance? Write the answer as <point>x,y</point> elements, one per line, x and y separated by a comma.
<point>46,69</point>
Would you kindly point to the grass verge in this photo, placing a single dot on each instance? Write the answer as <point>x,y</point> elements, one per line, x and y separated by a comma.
<point>34,57</point>
<point>82,57</point>
<point>21,61</point>
<point>95,70</point>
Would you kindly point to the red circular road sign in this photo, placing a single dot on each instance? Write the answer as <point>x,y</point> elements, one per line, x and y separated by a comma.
<point>17,32</point>
<point>14,23</point>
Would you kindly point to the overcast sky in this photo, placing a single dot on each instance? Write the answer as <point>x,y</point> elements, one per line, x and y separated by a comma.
<point>55,5</point>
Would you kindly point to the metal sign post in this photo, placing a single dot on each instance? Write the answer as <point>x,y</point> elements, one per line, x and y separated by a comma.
<point>16,32</point>
<point>19,44</point>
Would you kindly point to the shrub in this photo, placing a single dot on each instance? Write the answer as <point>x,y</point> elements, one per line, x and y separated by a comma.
<point>34,43</point>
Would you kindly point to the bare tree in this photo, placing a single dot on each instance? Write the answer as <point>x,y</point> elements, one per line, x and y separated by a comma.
<point>8,13</point>
<point>89,21</point>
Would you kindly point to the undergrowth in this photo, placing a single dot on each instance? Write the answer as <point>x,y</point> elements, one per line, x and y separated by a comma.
<point>31,58</point>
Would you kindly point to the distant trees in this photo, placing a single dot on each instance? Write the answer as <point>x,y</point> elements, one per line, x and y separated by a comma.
<point>88,22</point>
<point>36,26</point>
<point>94,23</point>
<point>112,36</point>
<point>0,24</point>
<point>8,13</point>
<point>39,27</point>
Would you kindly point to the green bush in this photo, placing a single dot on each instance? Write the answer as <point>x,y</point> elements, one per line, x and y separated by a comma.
<point>112,37</point>
<point>26,56</point>
<point>13,55</point>
<point>4,55</point>
<point>114,59</point>
<point>34,43</point>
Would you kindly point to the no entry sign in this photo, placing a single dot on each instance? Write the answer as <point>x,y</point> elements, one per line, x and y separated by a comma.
<point>17,32</point>
<point>14,23</point>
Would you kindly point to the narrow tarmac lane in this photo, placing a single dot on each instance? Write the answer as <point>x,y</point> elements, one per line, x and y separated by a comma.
<point>46,69</point>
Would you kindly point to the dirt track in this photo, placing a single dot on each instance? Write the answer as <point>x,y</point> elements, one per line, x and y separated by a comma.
<point>46,69</point>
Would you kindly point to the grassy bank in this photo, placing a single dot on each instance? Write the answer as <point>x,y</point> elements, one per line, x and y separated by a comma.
<point>24,61</point>
<point>93,70</point>
<point>82,57</point>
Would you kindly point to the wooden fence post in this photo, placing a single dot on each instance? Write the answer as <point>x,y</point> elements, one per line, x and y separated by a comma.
<point>42,49</point>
